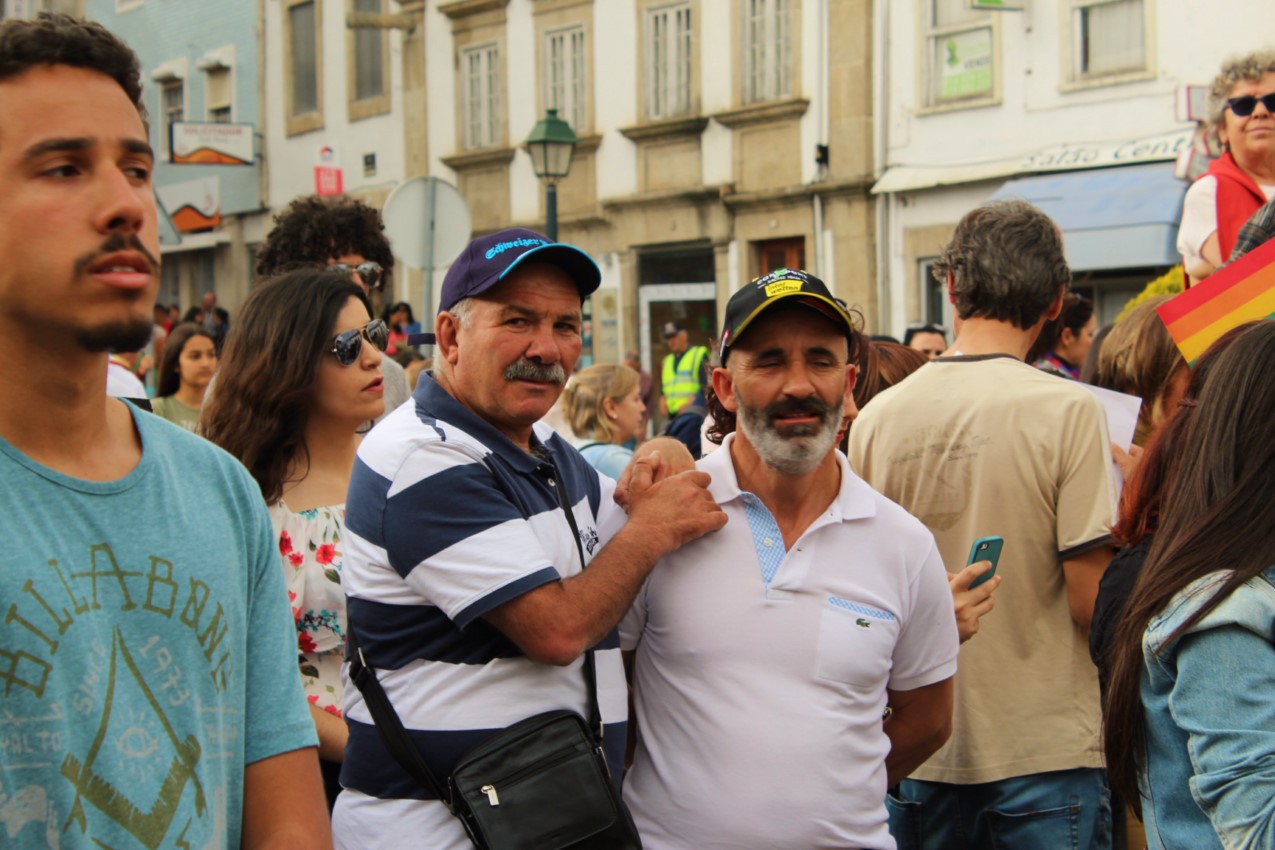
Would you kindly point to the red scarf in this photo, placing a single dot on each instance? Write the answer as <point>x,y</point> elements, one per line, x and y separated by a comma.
<point>1238,197</point>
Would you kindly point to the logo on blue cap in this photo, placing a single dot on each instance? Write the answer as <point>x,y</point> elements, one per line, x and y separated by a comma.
<point>502,247</point>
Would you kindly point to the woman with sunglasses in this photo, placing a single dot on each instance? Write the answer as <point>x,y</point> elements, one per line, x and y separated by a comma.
<point>300,373</point>
<point>1242,179</point>
<point>185,371</point>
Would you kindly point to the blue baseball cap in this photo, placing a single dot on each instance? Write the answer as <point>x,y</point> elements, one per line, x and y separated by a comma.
<point>488,260</point>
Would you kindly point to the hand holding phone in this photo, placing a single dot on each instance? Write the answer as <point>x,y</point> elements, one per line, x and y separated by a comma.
<point>985,549</point>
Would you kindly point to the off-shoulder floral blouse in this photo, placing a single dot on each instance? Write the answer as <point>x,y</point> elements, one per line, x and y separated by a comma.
<point>310,547</point>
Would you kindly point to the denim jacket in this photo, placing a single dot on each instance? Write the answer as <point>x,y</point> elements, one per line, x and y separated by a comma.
<point>1209,703</point>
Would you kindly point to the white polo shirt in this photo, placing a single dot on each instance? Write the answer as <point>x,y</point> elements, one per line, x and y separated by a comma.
<point>761,675</point>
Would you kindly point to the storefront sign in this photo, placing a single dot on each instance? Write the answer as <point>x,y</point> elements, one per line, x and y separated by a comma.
<point>193,205</point>
<point>328,179</point>
<point>965,64</point>
<point>1095,155</point>
<point>212,144</point>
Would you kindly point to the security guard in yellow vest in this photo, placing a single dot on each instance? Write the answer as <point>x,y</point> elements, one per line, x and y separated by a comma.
<point>682,377</point>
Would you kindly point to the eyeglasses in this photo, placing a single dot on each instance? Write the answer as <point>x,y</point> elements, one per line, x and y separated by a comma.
<point>1244,106</point>
<point>369,272</point>
<point>348,344</point>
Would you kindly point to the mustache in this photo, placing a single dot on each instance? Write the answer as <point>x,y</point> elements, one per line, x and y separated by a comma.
<point>116,242</point>
<point>812,406</point>
<point>529,370</point>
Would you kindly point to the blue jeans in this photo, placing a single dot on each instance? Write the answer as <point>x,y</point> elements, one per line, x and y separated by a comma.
<point>1063,810</point>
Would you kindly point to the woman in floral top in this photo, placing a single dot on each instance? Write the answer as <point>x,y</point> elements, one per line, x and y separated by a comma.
<point>301,372</point>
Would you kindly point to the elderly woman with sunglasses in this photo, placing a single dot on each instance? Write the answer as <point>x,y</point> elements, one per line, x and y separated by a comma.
<point>300,373</point>
<point>1242,179</point>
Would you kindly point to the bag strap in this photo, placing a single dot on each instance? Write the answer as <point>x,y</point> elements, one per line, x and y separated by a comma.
<point>387,721</point>
<point>590,669</point>
<point>395,736</point>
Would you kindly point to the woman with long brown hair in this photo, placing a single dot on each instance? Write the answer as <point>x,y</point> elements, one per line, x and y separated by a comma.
<point>1189,724</point>
<point>301,372</point>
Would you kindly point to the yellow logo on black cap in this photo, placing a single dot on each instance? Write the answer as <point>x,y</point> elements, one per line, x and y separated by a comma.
<point>783,287</point>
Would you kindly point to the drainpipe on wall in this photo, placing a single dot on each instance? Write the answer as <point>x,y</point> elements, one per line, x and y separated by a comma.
<point>821,268</point>
<point>880,147</point>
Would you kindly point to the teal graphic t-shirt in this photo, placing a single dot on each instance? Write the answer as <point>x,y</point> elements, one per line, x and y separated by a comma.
<point>147,649</point>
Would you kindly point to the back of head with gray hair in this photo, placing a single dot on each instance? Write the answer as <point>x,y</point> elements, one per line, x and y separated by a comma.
<point>1006,261</point>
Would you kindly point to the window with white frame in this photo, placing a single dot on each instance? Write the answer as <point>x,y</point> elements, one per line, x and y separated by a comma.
<point>480,70</point>
<point>369,55</point>
<point>303,40</point>
<point>959,54</point>
<point>767,50</point>
<point>668,61</point>
<point>172,106</point>
<point>217,95</point>
<point>565,76</point>
<point>1107,37</point>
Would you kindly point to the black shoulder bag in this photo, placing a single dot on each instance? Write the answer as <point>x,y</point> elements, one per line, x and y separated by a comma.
<point>541,784</point>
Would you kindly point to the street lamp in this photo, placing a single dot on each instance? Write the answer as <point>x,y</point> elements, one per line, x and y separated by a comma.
<point>551,144</point>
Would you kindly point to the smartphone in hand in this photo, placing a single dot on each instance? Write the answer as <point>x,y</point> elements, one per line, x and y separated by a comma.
<point>985,549</point>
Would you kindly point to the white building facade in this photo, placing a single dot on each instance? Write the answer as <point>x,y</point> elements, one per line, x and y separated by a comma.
<point>718,139</point>
<point>1079,106</point>
<point>334,94</point>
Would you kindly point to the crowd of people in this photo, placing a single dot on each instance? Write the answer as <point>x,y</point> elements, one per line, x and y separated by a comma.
<point>771,613</point>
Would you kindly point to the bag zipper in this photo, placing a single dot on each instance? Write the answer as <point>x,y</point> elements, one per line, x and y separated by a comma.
<point>493,797</point>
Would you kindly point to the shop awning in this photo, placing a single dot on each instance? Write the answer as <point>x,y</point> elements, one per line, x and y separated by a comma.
<point>1112,218</point>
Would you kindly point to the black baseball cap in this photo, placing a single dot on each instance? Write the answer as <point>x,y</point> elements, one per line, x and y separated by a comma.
<point>672,329</point>
<point>782,286</point>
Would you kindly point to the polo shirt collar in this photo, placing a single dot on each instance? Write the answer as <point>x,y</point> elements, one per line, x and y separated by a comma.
<point>435,402</point>
<point>855,500</point>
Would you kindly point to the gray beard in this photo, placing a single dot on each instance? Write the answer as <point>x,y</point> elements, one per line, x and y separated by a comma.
<point>801,450</point>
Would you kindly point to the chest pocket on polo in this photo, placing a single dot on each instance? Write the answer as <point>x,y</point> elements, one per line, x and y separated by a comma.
<point>856,643</point>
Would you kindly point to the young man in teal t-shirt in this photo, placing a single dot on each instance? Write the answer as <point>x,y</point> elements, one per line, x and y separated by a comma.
<point>147,655</point>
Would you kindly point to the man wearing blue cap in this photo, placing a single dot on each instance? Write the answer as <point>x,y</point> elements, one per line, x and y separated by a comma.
<point>766,655</point>
<point>466,587</point>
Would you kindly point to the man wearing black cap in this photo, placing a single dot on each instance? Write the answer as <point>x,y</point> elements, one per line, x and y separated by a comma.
<point>767,654</point>
<point>466,589</point>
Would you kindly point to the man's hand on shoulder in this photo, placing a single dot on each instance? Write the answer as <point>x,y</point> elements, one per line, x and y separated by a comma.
<point>664,456</point>
<point>671,508</point>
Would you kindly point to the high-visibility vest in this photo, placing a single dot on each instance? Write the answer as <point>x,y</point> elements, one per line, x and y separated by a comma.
<point>682,381</point>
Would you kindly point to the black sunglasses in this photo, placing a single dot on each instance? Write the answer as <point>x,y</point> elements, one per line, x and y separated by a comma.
<point>1244,106</point>
<point>370,272</point>
<point>347,344</point>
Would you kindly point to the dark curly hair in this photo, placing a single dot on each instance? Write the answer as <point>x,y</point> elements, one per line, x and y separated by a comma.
<point>57,39</point>
<point>724,420</point>
<point>314,230</point>
<point>261,405</point>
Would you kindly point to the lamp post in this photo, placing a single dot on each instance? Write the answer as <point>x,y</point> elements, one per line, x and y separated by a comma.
<point>551,145</point>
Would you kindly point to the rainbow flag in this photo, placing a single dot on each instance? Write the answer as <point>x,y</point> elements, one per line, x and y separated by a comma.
<point>1240,292</point>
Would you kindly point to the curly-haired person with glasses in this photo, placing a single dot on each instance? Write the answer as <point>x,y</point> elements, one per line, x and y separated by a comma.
<point>347,235</point>
<point>1242,179</point>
